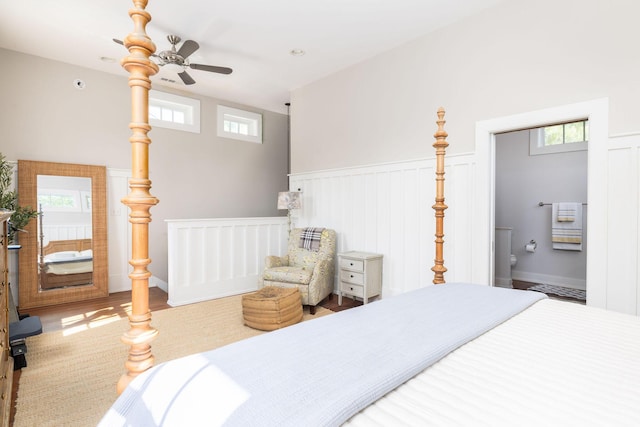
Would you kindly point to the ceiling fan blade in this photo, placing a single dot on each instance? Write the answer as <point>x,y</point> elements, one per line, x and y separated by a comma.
<point>186,78</point>
<point>187,48</point>
<point>211,68</point>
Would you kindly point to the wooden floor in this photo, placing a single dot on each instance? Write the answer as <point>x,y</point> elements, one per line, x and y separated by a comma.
<point>83,313</point>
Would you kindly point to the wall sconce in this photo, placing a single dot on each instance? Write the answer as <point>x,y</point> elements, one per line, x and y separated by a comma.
<point>289,200</point>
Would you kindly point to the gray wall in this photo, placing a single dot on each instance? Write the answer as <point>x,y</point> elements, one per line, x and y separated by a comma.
<point>521,182</point>
<point>194,175</point>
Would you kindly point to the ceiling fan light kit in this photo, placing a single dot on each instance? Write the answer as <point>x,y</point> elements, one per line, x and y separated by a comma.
<point>177,59</point>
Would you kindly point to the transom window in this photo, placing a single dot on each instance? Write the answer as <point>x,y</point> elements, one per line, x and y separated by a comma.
<point>566,133</point>
<point>171,111</point>
<point>558,138</point>
<point>239,124</point>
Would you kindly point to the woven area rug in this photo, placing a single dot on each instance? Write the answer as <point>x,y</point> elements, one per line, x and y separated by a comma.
<point>71,376</point>
<point>560,291</point>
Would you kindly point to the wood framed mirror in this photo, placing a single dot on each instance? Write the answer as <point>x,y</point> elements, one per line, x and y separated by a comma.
<point>64,251</point>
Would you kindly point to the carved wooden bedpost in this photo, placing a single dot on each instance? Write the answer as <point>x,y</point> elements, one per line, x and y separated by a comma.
<point>440,145</point>
<point>139,200</point>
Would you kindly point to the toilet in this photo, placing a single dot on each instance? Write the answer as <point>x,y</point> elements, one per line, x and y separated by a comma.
<point>505,260</point>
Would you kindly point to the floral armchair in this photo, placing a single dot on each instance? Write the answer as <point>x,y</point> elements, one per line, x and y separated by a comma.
<point>311,271</point>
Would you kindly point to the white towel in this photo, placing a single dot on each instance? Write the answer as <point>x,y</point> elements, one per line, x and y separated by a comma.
<point>565,234</point>
<point>567,212</point>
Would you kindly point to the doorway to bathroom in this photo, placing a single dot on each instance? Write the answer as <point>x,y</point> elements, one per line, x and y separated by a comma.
<point>541,209</point>
<point>598,249</point>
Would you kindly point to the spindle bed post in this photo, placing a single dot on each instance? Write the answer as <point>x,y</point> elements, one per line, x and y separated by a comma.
<point>139,200</point>
<point>440,145</point>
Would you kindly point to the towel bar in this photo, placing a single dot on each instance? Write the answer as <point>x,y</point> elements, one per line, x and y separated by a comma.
<point>549,204</point>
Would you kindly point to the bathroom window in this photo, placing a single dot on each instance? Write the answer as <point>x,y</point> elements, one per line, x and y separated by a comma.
<point>559,138</point>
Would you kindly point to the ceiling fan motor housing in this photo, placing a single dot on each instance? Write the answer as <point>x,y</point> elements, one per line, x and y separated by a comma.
<point>176,59</point>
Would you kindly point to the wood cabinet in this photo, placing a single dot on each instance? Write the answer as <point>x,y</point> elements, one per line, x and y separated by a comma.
<point>360,275</point>
<point>6,362</point>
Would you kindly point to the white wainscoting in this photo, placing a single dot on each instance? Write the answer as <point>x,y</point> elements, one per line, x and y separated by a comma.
<point>623,225</point>
<point>66,232</point>
<point>213,258</point>
<point>387,209</point>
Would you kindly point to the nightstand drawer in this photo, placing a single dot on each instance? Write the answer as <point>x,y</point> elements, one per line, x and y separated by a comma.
<point>355,290</point>
<point>351,264</point>
<point>352,277</point>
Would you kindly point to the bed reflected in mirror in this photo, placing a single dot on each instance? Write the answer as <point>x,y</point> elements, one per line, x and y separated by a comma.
<point>65,254</point>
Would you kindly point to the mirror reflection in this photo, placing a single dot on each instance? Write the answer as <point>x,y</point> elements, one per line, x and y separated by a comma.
<point>65,253</point>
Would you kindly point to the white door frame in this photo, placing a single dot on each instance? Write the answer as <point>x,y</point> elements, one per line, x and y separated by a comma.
<point>597,111</point>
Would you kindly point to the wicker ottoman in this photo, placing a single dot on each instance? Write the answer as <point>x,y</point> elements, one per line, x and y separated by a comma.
<point>272,308</point>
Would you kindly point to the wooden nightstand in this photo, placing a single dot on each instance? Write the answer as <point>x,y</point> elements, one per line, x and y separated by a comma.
<point>360,275</point>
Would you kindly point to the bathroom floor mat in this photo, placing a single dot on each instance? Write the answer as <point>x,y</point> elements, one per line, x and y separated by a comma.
<point>560,291</point>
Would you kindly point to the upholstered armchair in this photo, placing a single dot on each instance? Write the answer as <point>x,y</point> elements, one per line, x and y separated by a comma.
<point>308,265</point>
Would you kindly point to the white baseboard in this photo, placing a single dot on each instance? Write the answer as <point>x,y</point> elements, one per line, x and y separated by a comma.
<point>154,281</point>
<point>123,284</point>
<point>567,282</point>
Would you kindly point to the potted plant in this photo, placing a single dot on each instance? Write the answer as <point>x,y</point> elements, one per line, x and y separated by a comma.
<point>9,200</point>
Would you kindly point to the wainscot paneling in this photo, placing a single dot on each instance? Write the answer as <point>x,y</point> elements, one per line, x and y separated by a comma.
<point>387,209</point>
<point>66,232</point>
<point>623,225</point>
<point>213,258</point>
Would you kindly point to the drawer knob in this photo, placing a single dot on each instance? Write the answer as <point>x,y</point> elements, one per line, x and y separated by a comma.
<point>351,263</point>
<point>351,275</point>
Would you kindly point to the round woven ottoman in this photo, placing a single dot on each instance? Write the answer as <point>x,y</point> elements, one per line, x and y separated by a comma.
<point>272,308</point>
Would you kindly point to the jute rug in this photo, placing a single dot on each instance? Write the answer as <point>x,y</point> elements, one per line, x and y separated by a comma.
<point>71,379</point>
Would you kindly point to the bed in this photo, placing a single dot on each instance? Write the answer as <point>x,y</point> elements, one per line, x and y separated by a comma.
<point>66,263</point>
<point>445,354</point>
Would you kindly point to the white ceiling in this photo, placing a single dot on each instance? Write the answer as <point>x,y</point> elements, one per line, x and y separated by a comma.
<point>254,37</point>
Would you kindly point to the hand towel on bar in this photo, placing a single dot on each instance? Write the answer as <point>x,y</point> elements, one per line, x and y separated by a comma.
<point>567,212</point>
<point>566,235</point>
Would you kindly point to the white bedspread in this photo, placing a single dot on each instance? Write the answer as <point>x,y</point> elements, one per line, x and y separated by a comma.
<point>555,364</point>
<point>319,372</point>
<point>69,267</point>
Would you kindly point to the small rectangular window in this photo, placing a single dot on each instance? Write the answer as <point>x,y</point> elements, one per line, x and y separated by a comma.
<point>171,111</point>
<point>58,200</point>
<point>239,124</point>
<point>559,138</point>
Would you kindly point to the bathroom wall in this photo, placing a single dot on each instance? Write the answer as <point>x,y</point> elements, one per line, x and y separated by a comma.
<point>521,182</point>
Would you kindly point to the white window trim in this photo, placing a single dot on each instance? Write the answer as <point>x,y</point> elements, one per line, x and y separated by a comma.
<point>244,116</point>
<point>537,147</point>
<point>192,106</point>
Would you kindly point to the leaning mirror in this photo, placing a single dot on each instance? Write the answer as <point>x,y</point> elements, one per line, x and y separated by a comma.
<point>64,252</point>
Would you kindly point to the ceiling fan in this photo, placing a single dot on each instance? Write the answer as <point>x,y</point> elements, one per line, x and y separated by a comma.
<point>177,59</point>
